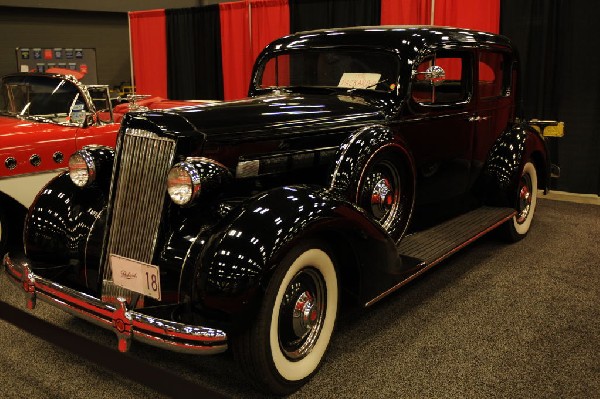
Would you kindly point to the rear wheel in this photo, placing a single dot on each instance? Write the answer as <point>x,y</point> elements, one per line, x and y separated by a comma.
<point>518,227</point>
<point>285,345</point>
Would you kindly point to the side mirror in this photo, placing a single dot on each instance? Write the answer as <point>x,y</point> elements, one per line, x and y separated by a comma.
<point>90,119</point>
<point>435,74</point>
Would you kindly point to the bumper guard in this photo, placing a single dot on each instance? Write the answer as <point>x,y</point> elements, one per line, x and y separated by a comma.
<point>127,324</point>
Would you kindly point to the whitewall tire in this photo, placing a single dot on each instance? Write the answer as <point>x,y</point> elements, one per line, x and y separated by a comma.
<point>286,344</point>
<point>519,225</point>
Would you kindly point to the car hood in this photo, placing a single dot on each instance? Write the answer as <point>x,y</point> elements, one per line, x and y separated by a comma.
<point>281,115</point>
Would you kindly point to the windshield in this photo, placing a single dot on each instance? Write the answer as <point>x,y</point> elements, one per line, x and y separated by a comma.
<point>331,68</point>
<point>43,98</point>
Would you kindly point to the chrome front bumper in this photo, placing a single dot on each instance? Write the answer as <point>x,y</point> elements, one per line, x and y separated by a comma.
<point>127,324</point>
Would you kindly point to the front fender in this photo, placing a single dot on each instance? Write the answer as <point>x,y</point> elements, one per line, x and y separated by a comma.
<point>237,261</point>
<point>59,229</point>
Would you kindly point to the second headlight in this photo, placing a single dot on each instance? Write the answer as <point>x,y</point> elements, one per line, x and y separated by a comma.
<point>82,168</point>
<point>183,183</point>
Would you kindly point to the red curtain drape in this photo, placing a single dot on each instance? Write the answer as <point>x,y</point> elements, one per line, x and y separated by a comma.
<point>472,14</point>
<point>149,51</point>
<point>246,28</point>
<point>235,49</point>
<point>270,20</point>
<point>405,12</point>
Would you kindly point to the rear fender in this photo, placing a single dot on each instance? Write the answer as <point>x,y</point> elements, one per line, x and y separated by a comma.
<point>505,163</point>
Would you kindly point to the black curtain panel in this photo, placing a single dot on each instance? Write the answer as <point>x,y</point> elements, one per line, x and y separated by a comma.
<point>194,53</point>
<point>318,14</point>
<point>560,80</point>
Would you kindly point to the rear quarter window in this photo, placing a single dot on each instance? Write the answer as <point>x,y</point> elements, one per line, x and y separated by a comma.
<point>493,75</point>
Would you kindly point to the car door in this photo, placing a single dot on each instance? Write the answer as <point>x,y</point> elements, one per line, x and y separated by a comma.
<point>495,102</point>
<point>438,125</point>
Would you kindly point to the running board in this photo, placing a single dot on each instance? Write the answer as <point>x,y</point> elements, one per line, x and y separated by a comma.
<point>426,249</point>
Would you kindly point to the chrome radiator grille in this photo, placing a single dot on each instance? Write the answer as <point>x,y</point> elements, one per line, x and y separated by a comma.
<point>137,197</point>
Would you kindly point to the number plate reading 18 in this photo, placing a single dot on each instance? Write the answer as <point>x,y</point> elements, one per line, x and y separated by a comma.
<point>136,276</point>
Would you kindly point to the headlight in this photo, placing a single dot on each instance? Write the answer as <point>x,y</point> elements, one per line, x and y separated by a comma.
<point>82,168</point>
<point>183,183</point>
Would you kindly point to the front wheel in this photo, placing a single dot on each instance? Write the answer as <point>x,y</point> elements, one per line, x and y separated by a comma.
<point>285,345</point>
<point>517,228</point>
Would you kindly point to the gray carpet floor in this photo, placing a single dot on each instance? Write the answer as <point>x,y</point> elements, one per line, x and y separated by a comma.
<point>493,321</point>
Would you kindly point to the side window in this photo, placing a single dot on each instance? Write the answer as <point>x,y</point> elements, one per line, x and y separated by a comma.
<point>492,75</point>
<point>454,88</point>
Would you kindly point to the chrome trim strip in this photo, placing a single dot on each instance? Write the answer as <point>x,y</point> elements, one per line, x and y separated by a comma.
<point>127,324</point>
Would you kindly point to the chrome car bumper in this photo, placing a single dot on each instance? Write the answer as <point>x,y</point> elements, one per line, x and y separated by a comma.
<point>127,324</point>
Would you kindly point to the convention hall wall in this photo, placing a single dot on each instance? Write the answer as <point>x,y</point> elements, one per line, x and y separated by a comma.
<point>107,32</point>
<point>554,37</point>
<point>70,23</point>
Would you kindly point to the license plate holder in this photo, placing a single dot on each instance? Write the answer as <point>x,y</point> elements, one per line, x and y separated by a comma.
<point>136,276</point>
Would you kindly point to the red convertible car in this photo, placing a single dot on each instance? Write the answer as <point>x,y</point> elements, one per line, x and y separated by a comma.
<point>44,118</point>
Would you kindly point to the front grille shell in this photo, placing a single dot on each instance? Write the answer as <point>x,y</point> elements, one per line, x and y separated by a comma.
<point>137,201</point>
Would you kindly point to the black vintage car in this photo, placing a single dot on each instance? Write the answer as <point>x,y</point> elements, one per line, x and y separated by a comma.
<point>362,158</point>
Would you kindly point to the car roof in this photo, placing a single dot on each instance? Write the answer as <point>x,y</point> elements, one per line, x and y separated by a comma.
<point>403,38</point>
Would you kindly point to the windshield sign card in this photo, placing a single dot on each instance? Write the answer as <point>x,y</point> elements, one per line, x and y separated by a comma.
<point>359,80</point>
<point>136,276</point>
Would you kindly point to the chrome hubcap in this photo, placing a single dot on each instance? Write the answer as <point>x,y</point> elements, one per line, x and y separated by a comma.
<point>380,194</point>
<point>305,314</point>
<point>301,314</point>
<point>382,198</point>
<point>525,198</point>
